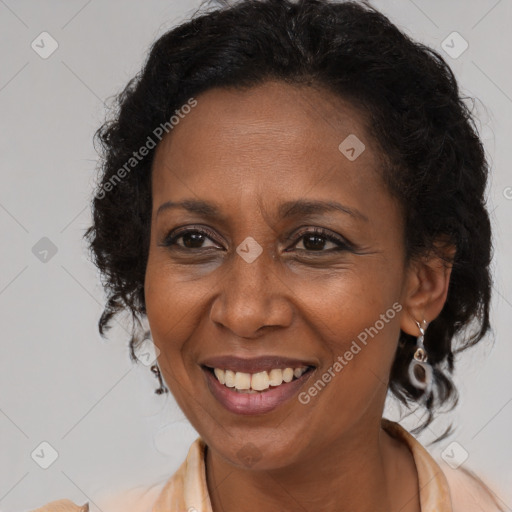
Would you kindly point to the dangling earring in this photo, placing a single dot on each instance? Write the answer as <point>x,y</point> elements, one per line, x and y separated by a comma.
<point>158,375</point>
<point>420,371</point>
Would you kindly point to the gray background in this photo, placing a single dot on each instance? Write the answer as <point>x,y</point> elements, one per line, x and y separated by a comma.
<point>59,381</point>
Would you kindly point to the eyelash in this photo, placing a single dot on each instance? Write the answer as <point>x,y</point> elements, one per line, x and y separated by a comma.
<point>343,245</point>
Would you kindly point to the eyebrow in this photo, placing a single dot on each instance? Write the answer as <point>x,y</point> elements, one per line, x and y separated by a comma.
<point>286,210</point>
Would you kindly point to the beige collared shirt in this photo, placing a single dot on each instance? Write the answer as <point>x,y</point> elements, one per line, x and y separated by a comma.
<point>186,491</point>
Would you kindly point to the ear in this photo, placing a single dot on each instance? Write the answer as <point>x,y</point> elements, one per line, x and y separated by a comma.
<point>426,287</point>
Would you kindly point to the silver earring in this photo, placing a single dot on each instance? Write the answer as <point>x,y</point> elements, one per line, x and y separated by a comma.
<point>154,367</point>
<point>420,370</point>
<point>158,375</point>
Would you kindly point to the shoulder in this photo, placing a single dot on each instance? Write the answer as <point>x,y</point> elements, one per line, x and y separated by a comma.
<point>442,485</point>
<point>63,506</point>
<point>469,493</point>
<point>133,500</point>
<point>140,499</point>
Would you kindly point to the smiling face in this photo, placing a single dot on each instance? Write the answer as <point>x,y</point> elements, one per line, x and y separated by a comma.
<point>320,261</point>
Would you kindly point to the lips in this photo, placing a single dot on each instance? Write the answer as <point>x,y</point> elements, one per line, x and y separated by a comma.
<point>257,403</point>
<point>256,364</point>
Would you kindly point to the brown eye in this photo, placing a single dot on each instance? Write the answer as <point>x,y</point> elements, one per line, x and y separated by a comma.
<point>318,240</point>
<point>191,239</point>
<point>315,242</point>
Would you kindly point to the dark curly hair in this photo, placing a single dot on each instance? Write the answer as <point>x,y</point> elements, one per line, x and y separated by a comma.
<point>433,159</point>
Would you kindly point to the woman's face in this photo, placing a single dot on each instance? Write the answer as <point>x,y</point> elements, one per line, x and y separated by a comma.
<point>261,170</point>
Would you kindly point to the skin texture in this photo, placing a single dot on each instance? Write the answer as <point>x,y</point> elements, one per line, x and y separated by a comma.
<point>249,151</point>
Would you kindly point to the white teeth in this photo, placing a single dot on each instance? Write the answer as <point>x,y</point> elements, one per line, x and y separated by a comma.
<point>220,375</point>
<point>275,377</point>
<point>260,381</point>
<point>242,380</point>
<point>299,371</point>
<point>250,383</point>
<point>288,374</point>
<point>229,378</point>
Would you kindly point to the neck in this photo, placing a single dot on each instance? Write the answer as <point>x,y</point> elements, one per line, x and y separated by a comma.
<point>364,470</point>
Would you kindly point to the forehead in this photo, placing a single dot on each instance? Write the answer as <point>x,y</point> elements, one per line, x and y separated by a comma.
<point>271,139</point>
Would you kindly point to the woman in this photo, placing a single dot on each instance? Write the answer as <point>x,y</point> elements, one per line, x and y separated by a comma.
<point>292,195</point>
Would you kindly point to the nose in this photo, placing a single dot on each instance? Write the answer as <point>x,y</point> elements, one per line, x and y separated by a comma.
<point>251,297</point>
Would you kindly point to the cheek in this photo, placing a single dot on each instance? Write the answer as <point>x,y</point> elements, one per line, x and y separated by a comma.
<point>347,301</point>
<point>356,314</point>
<point>171,319</point>
<point>171,308</point>
<point>354,379</point>
<point>171,294</point>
